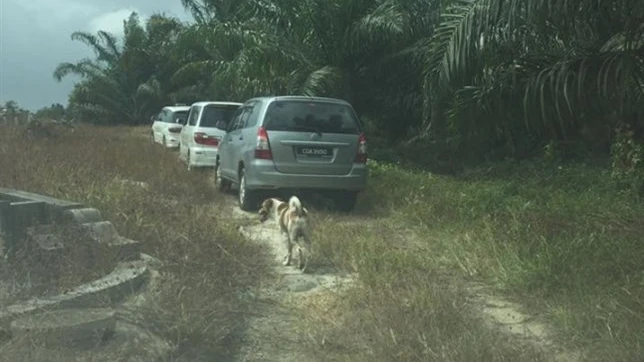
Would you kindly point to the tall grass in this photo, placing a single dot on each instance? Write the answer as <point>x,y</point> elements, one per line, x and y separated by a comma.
<point>560,238</point>
<point>205,262</point>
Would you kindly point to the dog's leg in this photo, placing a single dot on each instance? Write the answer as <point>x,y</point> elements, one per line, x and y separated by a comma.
<point>302,259</point>
<point>304,262</point>
<point>289,250</point>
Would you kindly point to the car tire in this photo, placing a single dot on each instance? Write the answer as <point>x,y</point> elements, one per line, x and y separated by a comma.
<point>152,137</point>
<point>247,198</point>
<point>221,184</point>
<point>345,201</point>
<point>188,160</point>
<point>165,142</point>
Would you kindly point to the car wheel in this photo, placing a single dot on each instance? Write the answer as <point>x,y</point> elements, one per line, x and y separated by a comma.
<point>152,137</point>
<point>188,160</point>
<point>165,143</point>
<point>346,201</point>
<point>221,183</point>
<point>247,198</point>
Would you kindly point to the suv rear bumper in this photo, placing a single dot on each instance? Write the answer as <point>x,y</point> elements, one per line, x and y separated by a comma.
<point>262,175</point>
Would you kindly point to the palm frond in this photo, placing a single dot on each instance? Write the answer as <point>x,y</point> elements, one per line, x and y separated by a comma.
<point>322,81</point>
<point>103,54</point>
<point>385,24</point>
<point>111,44</point>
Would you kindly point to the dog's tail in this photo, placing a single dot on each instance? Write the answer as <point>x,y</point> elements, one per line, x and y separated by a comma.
<point>295,203</point>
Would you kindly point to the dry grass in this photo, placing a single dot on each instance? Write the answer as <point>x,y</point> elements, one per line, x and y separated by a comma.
<point>207,264</point>
<point>561,240</point>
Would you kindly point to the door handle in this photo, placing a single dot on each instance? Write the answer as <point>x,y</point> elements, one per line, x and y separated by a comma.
<point>241,137</point>
<point>230,139</point>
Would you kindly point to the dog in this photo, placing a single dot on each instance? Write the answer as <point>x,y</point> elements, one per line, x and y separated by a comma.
<point>292,219</point>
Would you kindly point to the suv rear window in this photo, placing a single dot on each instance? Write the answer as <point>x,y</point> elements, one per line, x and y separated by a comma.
<point>182,115</point>
<point>214,113</point>
<point>305,116</point>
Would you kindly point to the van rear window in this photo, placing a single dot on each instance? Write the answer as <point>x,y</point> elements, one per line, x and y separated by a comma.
<point>214,113</point>
<point>306,116</point>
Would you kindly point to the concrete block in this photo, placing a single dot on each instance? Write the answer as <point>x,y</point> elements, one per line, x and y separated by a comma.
<point>23,214</point>
<point>45,237</point>
<point>126,249</point>
<point>82,215</point>
<point>29,213</point>
<point>102,232</point>
<point>6,227</point>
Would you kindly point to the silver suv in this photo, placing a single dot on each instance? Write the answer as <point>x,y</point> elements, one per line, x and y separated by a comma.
<point>295,144</point>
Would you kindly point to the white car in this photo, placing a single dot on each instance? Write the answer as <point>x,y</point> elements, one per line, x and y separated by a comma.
<point>167,125</point>
<point>206,126</point>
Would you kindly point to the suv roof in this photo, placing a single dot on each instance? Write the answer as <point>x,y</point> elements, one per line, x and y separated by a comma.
<point>177,108</point>
<point>203,103</point>
<point>300,98</point>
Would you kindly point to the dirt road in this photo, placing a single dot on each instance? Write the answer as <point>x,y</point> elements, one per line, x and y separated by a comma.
<point>274,335</point>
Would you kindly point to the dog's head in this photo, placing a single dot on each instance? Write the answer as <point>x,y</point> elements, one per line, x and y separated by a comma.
<point>267,207</point>
<point>265,210</point>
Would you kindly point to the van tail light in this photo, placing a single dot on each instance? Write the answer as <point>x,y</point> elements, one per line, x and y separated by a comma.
<point>206,140</point>
<point>361,155</point>
<point>174,129</point>
<point>263,148</point>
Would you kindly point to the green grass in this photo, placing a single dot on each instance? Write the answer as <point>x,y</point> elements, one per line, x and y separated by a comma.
<point>207,263</point>
<point>559,238</point>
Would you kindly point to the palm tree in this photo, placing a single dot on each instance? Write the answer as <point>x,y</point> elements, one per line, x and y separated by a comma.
<point>508,70</point>
<point>128,79</point>
<point>335,48</point>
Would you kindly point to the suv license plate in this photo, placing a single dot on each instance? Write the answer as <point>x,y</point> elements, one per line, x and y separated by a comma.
<point>314,151</point>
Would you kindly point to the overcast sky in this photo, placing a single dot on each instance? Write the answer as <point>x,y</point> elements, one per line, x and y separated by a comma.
<point>35,38</point>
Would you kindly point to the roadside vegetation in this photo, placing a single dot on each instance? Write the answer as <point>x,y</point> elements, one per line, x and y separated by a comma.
<point>556,237</point>
<point>508,144</point>
<point>206,265</point>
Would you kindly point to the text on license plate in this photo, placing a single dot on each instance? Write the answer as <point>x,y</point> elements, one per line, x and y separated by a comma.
<point>314,151</point>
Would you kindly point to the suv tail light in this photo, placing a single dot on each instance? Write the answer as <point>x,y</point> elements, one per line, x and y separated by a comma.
<point>361,155</point>
<point>174,129</point>
<point>206,140</point>
<point>263,148</point>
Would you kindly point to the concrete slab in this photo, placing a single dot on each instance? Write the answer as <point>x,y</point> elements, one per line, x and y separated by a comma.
<point>53,207</point>
<point>75,328</point>
<point>17,195</point>
<point>124,280</point>
<point>130,342</point>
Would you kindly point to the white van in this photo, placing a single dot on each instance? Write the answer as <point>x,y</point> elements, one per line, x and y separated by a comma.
<point>167,125</point>
<point>206,126</point>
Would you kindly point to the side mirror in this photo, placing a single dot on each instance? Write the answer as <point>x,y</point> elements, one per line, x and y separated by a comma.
<point>152,118</point>
<point>221,125</point>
